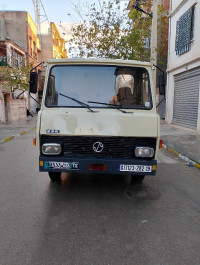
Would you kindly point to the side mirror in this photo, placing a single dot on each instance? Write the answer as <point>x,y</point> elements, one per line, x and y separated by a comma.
<point>161,84</point>
<point>33,82</point>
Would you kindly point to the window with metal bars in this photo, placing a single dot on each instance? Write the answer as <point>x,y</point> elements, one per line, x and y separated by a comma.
<point>184,31</point>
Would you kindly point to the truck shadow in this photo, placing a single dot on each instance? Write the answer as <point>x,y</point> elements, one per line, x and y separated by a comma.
<point>87,212</point>
<point>100,184</point>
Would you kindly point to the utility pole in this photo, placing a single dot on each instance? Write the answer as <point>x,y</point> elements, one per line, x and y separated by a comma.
<point>154,48</point>
<point>37,7</point>
<point>37,15</point>
<point>154,44</point>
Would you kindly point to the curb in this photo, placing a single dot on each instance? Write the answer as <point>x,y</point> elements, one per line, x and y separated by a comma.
<point>9,138</point>
<point>183,157</point>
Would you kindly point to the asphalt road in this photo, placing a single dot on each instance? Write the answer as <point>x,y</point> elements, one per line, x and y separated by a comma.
<point>96,219</point>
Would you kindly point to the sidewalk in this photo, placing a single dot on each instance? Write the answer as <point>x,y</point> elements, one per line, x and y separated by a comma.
<point>184,143</point>
<point>11,130</point>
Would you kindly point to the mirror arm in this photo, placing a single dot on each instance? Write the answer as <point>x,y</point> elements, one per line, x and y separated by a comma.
<point>160,101</point>
<point>35,99</point>
<point>36,66</point>
<point>163,80</point>
<point>159,68</point>
<point>161,71</point>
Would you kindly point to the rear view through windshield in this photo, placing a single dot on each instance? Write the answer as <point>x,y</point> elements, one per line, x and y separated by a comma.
<point>98,86</point>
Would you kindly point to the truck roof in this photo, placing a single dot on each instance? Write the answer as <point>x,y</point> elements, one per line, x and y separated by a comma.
<point>96,61</point>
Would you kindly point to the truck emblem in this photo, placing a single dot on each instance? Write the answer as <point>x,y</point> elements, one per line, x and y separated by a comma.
<point>98,147</point>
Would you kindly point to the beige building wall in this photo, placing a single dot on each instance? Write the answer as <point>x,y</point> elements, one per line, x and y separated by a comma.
<point>16,27</point>
<point>2,107</point>
<point>47,47</point>
<point>16,109</point>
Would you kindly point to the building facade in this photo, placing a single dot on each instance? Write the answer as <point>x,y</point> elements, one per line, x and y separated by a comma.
<point>183,72</point>
<point>19,41</point>
<point>11,55</point>
<point>53,45</point>
<point>19,28</point>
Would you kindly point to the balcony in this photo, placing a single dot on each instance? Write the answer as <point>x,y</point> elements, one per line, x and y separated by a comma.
<point>3,60</point>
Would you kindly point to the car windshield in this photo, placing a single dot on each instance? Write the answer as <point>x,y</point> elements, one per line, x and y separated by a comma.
<point>102,86</point>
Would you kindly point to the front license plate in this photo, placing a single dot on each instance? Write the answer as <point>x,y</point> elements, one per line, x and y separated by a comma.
<point>61,165</point>
<point>135,168</point>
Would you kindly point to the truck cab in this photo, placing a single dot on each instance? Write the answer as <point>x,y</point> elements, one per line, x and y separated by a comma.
<point>98,116</point>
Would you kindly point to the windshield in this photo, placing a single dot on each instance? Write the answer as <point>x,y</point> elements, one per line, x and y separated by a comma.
<point>126,87</point>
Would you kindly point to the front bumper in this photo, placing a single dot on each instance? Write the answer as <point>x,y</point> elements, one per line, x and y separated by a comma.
<point>110,166</point>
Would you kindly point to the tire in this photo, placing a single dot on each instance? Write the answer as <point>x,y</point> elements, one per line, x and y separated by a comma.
<point>55,176</point>
<point>137,179</point>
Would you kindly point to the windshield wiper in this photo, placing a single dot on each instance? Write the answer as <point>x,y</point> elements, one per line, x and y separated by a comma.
<point>79,102</point>
<point>118,107</point>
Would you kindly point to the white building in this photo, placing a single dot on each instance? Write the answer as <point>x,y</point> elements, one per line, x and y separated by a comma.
<point>183,73</point>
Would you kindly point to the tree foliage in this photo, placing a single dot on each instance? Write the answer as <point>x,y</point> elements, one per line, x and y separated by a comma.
<point>15,77</point>
<point>109,32</point>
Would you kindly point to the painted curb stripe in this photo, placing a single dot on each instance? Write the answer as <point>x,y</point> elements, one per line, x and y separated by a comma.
<point>21,133</point>
<point>8,139</point>
<point>12,137</point>
<point>185,158</point>
<point>197,165</point>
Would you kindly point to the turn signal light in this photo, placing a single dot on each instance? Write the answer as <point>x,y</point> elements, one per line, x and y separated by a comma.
<point>34,141</point>
<point>97,167</point>
<point>154,167</point>
<point>161,143</point>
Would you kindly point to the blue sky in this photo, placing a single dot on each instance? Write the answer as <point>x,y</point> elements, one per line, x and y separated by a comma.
<point>56,11</point>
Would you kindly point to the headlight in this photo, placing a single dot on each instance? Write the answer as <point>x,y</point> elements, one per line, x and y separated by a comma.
<point>51,149</point>
<point>144,152</point>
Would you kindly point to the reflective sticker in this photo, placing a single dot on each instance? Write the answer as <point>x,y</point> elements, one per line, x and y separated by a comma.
<point>60,165</point>
<point>52,131</point>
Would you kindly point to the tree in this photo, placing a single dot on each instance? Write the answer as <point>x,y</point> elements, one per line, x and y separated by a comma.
<point>15,77</point>
<point>107,33</point>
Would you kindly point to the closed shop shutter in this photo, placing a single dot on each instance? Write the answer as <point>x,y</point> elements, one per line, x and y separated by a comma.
<point>186,98</point>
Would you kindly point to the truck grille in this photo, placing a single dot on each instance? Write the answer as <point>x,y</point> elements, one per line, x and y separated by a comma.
<point>113,147</point>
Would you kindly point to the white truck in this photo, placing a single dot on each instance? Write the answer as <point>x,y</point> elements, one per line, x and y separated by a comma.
<point>97,116</point>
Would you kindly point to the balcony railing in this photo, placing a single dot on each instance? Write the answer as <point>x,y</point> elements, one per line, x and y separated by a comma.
<point>3,60</point>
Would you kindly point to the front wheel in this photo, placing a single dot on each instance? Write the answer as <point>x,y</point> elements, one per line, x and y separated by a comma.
<point>136,179</point>
<point>55,176</point>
